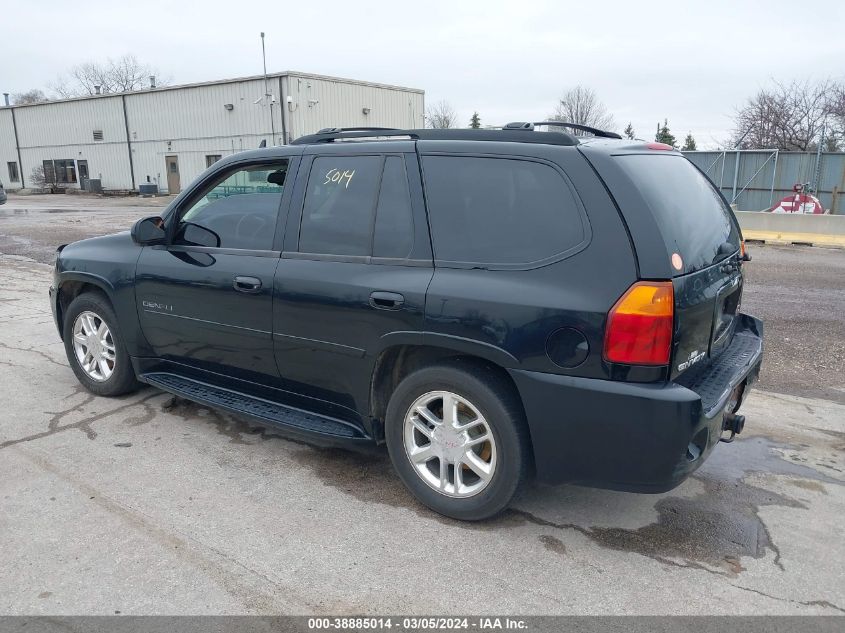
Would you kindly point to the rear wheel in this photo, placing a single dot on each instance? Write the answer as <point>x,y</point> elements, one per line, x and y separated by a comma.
<point>94,347</point>
<point>457,438</point>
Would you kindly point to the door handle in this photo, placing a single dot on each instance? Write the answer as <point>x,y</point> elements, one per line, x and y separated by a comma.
<point>246,284</point>
<point>386,300</point>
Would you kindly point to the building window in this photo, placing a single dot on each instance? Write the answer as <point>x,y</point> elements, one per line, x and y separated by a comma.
<point>98,135</point>
<point>14,175</point>
<point>59,171</point>
<point>210,159</point>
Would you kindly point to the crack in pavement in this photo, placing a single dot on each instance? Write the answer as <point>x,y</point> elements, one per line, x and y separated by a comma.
<point>33,350</point>
<point>807,603</point>
<point>239,580</point>
<point>84,424</point>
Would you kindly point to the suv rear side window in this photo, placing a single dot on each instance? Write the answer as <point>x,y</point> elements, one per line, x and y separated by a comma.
<point>499,210</point>
<point>339,204</point>
<point>692,216</point>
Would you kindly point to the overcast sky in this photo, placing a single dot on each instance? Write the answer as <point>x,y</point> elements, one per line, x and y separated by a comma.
<point>693,63</point>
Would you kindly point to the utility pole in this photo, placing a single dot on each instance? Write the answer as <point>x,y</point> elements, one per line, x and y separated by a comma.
<point>267,94</point>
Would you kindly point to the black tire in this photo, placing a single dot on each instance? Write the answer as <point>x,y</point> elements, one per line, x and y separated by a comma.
<point>493,395</point>
<point>122,380</point>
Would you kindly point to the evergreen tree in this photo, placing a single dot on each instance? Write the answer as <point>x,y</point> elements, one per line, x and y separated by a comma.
<point>689,144</point>
<point>664,135</point>
<point>475,121</point>
<point>629,131</point>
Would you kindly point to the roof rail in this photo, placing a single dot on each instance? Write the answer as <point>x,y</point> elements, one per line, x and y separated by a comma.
<point>329,135</point>
<point>520,125</point>
<point>338,130</point>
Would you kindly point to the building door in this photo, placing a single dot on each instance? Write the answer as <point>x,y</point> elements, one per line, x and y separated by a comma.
<point>82,172</point>
<point>172,165</point>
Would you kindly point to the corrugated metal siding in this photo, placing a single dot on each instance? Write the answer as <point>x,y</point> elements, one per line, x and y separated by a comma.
<point>321,103</point>
<point>792,168</point>
<point>70,123</point>
<point>192,122</point>
<point>108,162</point>
<point>199,113</point>
<point>148,157</point>
<point>7,148</point>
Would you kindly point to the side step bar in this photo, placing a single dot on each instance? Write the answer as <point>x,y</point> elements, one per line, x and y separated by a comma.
<point>297,421</point>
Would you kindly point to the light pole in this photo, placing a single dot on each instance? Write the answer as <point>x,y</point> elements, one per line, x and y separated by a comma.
<point>267,93</point>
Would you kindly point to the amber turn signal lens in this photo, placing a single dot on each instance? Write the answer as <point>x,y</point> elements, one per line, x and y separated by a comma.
<point>639,325</point>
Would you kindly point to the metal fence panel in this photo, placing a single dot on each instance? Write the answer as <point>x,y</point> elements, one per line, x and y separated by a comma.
<point>766,176</point>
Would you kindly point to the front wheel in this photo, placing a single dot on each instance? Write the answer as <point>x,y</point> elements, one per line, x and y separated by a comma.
<point>457,437</point>
<point>94,347</point>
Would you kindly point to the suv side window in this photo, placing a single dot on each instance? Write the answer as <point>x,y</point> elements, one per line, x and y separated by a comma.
<point>486,210</point>
<point>394,232</point>
<point>241,208</point>
<point>340,200</point>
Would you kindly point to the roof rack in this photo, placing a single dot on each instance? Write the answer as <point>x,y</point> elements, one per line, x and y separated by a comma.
<point>520,125</point>
<point>329,135</point>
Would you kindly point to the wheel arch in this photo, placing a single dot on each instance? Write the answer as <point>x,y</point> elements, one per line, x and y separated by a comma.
<point>407,354</point>
<point>73,284</point>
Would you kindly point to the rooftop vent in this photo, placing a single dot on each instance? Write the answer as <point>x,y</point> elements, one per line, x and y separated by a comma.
<point>98,135</point>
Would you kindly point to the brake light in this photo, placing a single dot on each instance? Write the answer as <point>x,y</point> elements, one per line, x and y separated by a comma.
<point>661,146</point>
<point>639,325</point>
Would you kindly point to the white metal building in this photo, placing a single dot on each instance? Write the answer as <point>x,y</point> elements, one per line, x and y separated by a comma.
<point>169,135</point>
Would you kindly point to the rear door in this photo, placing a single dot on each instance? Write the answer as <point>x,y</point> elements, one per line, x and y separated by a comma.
<point>356,266</point>
<point>699,244</point>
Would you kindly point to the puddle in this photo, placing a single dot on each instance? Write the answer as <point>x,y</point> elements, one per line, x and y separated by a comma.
<point>226,425</point>
<point>712,531</point>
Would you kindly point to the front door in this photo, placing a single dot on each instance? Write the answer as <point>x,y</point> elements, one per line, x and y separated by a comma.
<point>174,185</point>
<point>354,273</point>
<point>205,299</point>
<point>82,172</point>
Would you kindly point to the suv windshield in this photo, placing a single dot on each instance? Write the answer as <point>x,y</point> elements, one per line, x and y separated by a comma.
<point>692,216</point>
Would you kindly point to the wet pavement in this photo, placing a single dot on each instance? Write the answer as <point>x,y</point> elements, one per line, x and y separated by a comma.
<point>153,504</point>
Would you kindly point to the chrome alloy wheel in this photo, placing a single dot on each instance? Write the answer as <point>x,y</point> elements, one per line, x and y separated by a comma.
<point>93,345</point>
<point>449,444</point>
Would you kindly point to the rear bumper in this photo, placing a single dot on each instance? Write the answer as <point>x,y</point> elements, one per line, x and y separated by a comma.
<point>637,437</point>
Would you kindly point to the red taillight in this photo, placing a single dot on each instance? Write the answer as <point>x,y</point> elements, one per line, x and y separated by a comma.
<point>661,146</point>
<point>639,326</point>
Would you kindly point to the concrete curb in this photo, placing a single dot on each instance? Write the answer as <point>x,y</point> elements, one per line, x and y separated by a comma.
<point>780,228</point>
<point>797,239</point>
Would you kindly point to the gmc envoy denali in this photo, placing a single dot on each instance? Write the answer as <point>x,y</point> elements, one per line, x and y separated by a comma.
<point>492,305</point>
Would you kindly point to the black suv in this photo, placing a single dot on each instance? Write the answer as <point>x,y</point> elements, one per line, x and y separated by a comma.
<point>490,304</point>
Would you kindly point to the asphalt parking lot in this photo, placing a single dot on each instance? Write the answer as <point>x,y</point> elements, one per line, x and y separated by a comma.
<point>149,504</point>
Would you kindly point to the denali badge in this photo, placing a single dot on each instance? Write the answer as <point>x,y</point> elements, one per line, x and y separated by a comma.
<point>694,357</point>
<point>152,305</point>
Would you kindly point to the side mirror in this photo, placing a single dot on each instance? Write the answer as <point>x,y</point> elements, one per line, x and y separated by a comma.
<point>148,231</point>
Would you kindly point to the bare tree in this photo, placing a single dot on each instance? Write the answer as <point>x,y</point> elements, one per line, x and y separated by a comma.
<point>115,75</point>
<point>788,116</point>
<point>582,106</point>
<point>30,96</point>
<point>441,115</point>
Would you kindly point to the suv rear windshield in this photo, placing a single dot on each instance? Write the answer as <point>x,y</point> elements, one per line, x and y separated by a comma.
<point>692,216</point>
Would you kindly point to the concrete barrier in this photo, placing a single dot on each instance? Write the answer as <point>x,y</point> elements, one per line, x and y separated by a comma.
<point>787,228</point>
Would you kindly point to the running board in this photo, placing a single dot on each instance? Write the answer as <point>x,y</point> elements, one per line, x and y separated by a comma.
<point>298,421</point>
